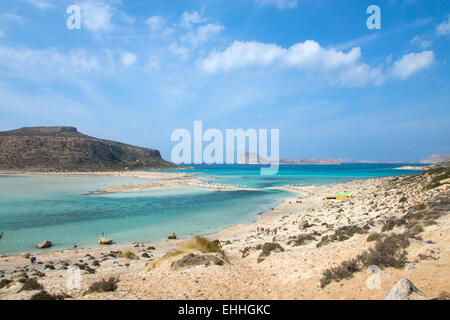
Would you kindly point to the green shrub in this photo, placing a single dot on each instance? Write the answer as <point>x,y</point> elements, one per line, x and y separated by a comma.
<point>374,237</point>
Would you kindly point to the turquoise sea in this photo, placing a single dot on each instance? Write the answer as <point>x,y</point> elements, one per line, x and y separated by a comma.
<point>33,209</point>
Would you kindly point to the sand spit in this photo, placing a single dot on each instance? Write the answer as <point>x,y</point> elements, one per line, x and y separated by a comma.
<point>412,168</point>
<point>314,234</point>
<point>158,180</point>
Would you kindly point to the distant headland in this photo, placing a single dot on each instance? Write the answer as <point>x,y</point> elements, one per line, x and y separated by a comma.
<point>62,148</point>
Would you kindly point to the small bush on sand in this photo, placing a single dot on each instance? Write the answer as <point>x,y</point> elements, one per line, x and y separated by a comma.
<point>85,267</point>
<point>103,285</point>
<point>344,271</point>
<point>127,255</point>
<point>31,284</point>
<point>341,234</point>
<point>415,230</point>
<point>196,243</point>
<point>347,232</point>
<point>437,175</point>
<point>323,241</point>
<point>388,252</point>
<point>374,237</point>
<point>391,223</point>
<point>4,283</point>
<point>301,240</point>
<point>420,206</point>
<point>44,295</point>
<point>444,296</point>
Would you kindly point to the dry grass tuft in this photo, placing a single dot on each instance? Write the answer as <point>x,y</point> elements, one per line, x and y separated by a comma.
<point>31,284</point>
<point>127,255</point>
<point>374,237</point>
<point>103,285</point>
<point>388,252</point>
<point>44,295</point>
<point>196,243</point>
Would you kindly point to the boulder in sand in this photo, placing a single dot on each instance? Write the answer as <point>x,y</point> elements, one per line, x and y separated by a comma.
<point>105,241</point>
<point>197,260</point>
<point>267,248</point>
<point>44,244</point>
<point>404,289</point>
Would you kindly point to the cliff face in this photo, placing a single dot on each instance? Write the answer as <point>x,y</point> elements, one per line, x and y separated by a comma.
<point>65,149</point>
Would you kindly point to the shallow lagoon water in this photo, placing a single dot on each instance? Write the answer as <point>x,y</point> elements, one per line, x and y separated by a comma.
<point>57,208</point>
<point>40,208</point>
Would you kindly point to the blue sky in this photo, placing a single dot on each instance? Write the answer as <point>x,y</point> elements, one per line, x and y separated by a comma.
<point>139,69</point>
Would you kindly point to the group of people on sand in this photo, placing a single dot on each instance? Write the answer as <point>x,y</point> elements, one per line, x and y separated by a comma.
<point>267,231</point>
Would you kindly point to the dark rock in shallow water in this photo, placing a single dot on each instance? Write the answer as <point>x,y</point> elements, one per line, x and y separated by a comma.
<point>44,244</point>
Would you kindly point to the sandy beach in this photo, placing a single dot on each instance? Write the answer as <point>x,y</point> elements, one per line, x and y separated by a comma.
<point>313,235</point>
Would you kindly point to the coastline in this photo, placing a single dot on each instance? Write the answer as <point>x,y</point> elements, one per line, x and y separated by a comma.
<point>169,180</point>
<point>292,274</point>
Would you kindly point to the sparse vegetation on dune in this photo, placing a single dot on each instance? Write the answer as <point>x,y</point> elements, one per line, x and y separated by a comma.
<point>437,175</point>
<point>44,295</point>
<point>374,237</point>
<point>387,252</point>
<point>196,243</point>
<point>31,284</point>
<point>127,255</point>
<point>103,285</point>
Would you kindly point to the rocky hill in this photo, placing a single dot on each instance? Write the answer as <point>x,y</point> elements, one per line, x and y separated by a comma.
<point>65,149</point>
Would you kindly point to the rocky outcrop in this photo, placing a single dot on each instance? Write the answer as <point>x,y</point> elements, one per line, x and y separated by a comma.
<point>65,149</point>
<point>44,244</point>
<point>267,248</point>
<point>404,290</point>
<point>196,260</point>
<point>105,241</point>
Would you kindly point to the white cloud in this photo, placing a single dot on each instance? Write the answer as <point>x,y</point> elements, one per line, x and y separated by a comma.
<point>180,51</point>
<point>11,17</point>
<point>190,18</point>
<point>153,64</point>
<point>345,68</point>
<point>96,16</point>
<point>128,59</point>
<point>203,33</point>
<point>41,4</point>
<point>51,64</point>
<point>420,42</point>
<point>155,23</point>
<point>443,29</point>
<point>280,4</point>
<point>412,63</point>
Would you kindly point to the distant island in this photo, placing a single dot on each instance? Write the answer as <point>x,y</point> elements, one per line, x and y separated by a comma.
<point>53,149</point>
<point>254,158</point>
